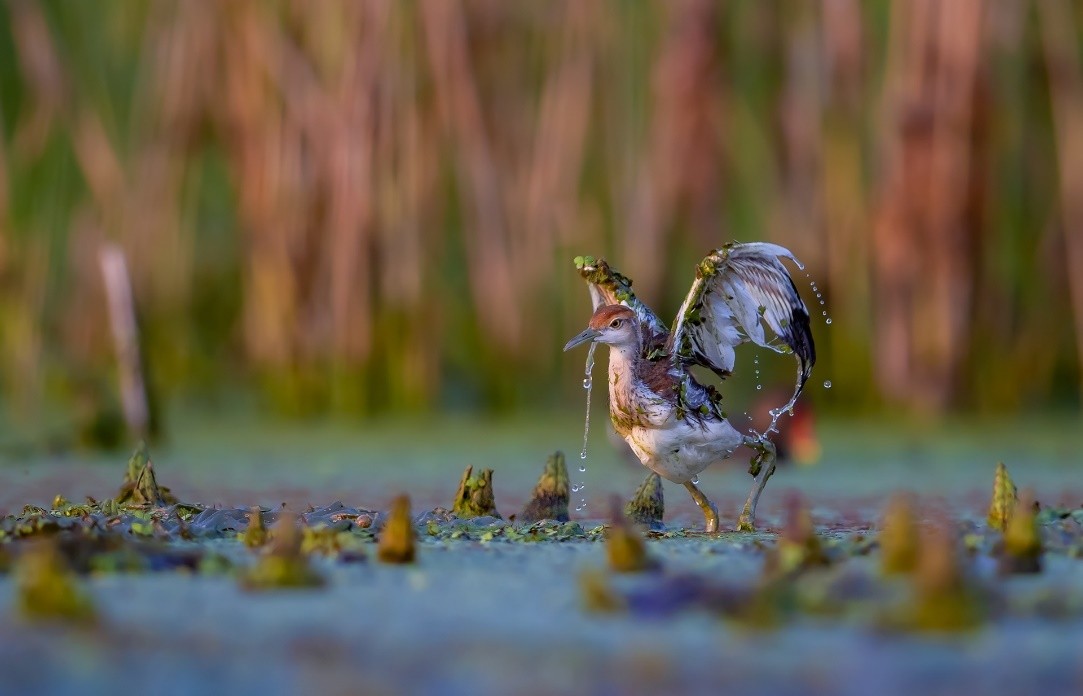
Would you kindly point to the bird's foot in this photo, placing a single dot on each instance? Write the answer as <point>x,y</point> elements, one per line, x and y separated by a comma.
<point>710,516</point>
<point>710,512</point>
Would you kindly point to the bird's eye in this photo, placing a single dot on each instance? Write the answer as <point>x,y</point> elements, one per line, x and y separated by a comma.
<point>616,323</point>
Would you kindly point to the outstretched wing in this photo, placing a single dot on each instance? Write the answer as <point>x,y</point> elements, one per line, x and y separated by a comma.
<point>607,286</point>
<point>739,289</point>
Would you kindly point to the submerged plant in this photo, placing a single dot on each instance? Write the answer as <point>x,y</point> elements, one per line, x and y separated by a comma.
<point>647,507</point>
<point>1004,499</point>
<point>550,498</point>
<point>140,486</point>
<point>46,587</point>
<point>397,539</point>
<point>284,566</point>
<point>475,495</point>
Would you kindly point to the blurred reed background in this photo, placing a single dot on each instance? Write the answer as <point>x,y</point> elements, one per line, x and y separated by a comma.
<point>371,207</point>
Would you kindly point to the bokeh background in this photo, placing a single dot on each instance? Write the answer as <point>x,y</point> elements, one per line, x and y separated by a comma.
<point>370,208</point>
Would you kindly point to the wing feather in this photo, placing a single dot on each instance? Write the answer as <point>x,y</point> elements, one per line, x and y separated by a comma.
<point>740,289</point>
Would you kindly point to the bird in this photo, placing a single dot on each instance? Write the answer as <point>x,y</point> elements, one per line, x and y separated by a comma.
<point>795,438</point>
<point>675,425</point>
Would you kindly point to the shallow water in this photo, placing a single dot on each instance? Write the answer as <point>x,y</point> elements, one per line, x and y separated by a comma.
<point>475,617</point>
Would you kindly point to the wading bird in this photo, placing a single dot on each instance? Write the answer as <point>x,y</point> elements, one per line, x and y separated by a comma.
<point>675,425</point>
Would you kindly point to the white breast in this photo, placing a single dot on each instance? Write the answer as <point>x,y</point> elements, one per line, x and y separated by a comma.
<point>678,452</point>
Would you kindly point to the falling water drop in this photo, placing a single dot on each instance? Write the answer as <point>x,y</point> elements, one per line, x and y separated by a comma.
<point>827,384</point>
<point>759,387</point>
<point>588,382</point>
<point>828,321</point>
<point>695,480</point>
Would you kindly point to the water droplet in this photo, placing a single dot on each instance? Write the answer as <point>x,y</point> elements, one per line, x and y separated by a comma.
<point>825,312</point>
<point>575,489</point>
<point>578,508</point>
<point>695,480</point>
<point>587,383</point>
<point>759,387</point>
<point>827,384</point>
<point>582,468</point>
<point>829,320</point>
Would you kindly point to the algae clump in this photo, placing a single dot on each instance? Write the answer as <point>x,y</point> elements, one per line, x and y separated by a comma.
<point>647,507</point>
<point>397,539</point>
<point>140,486</point>
<point>550,498</point>
<point>475,495</point>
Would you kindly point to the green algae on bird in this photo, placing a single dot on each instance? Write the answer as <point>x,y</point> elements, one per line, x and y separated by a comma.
<point>624,544</point>
<point>647,507</point>
<point>284,565</point>
<point>1020,550</point>
<point>398,543</point>
<point>475,495</point>
<point>1004,498</point>
<point>255,534</point>
<point>47,589</point>
<point>899,536</point>
<point>549,500</point>
<point>140,486</point>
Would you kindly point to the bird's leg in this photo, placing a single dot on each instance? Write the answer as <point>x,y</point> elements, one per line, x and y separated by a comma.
<point>710,512</point>
<point>761,466</point>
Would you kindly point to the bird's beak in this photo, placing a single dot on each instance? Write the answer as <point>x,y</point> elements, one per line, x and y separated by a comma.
<point>588,334</point>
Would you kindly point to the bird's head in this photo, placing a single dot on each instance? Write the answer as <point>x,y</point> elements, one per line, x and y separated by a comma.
<point>616,325</point>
